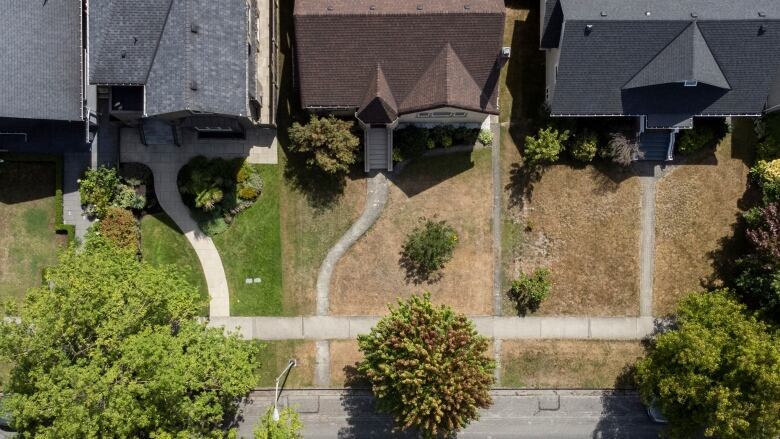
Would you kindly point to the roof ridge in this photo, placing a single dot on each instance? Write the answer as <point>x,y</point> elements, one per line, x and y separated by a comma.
<point>157,46</point>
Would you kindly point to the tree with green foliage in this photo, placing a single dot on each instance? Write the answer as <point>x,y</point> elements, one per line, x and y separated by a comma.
<point>97,190</point>
<point>528,291</point>
<point>121,228</point>
<point>428,367</point>
<point>329,142</point>
<point>545,147</point>
<point>716,371</point>
<point>428,247</point>
<point>110,346</point>
<point>287,427</point>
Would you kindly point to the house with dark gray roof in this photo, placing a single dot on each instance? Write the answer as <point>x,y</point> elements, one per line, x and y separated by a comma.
<point>168,65</point>
<point>393,62</point>
<point>663,62</point>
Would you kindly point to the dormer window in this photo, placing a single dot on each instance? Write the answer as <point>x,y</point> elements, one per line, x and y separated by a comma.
<point>691,83</point>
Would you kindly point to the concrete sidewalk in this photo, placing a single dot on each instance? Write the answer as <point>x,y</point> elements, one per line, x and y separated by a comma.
<point>505,328</point>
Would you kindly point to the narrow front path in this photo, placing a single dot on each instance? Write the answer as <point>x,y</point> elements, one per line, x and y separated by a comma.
<point>505,328</point>
<point>377,192</point>
<point>647,247</point>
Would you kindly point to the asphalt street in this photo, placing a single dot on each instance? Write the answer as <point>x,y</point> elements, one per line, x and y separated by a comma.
<point>514,414</point>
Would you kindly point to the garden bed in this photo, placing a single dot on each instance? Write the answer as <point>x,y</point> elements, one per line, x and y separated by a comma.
<point>28,216</point>
<point>454,188</point>
<point>698,205</point>
<point>556,364</point>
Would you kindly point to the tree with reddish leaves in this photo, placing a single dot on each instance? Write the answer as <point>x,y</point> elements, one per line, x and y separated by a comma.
<point>428,367</point>
<point>764,232</point>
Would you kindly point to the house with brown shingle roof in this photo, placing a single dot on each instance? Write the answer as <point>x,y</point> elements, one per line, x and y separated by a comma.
<point>396,62</point>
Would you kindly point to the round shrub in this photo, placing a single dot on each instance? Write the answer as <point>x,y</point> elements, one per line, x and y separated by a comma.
<point>485,137</point>
<point>528,292</point>
<point>411,141</point>
<point>429,247</point>
<point>250,183</point>
<point>328,142</point>
<point>695,139</point>
<point>98,189</point>
<point>213,226</point>
<point>767,175</point>
<point>120,227</point>
<point>585,147</point>
<point>127,198</point>
<point>545,147</point>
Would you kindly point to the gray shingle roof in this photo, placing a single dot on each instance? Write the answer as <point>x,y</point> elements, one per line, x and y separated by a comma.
<point>445,55</point>
<point>773,103</point>
<point>686,58</point>
<point>40,59</point>
<point>190,54</point>
<point>629,63</point>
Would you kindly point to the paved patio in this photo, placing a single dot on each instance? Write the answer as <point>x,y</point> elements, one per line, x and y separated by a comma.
<point>165,162</point>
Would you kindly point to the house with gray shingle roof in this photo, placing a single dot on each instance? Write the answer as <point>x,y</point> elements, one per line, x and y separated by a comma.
<point>393,62</point>
<point>168,65</point>
<point>41,72</point>
<point>663,62</point>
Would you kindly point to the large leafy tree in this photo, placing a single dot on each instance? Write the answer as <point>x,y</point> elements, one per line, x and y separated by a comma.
<point>428,367</point>
<point>717,371</point>
<point>109,347</point>
<point>329,143</point>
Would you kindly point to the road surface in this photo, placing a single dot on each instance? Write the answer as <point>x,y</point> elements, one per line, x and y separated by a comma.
<point>514,414</point>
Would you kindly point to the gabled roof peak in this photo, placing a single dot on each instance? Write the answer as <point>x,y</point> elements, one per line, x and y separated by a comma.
<point>686,59</point>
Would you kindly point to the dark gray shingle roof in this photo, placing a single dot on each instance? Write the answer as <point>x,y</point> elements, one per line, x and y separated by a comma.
<point>190,54</point>
<point>40,59</point>
<point>594,67</point>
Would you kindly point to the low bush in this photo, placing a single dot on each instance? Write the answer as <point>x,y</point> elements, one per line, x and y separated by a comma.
<point>127,198</point>
<point>528,292</point>
<point>412,141</point>
<point>329,143</point>
<point>120,227</point>
<point>428,248</point>
<point>768,132</point>
<point>218,190</point>
<point>485,137</point>
<point>98,189</point>
<point>585,146</point>
<point>767,176</point>
<point>622,149</point>
<point>545,147</point>
<point>705,134</point>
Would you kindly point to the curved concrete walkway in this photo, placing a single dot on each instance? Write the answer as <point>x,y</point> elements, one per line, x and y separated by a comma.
<point>165,162</point>
<point>377,191</point>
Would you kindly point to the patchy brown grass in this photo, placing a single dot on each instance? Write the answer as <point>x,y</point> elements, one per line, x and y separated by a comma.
<point>344,356</point>
<point>275,356</point>
<point>308,232</point>
<point>569,364</point>
<point>583,225</point>
<point>455,188</point>
<point>697,207</point>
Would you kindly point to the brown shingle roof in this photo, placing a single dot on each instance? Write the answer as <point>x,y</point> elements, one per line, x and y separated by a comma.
<point>442,55</point>
<point>379,105</point>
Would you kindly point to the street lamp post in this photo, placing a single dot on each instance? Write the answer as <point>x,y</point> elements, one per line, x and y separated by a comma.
<point>286,370</point>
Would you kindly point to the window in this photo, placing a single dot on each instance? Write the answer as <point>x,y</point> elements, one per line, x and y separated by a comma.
<point>460,114</point>
<point>556,71</point>
<point>691,83</point>
<point>423,115</point>
<point>441,114</point>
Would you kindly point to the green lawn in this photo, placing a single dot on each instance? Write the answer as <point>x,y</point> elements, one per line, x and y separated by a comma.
<point>251,248</point>
<point>162,243</point>
<point>28,242</point>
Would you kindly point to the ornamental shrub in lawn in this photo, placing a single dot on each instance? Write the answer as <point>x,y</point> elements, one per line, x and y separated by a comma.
<point>429,247</point>
<point>528,292</point>
<point>545,147</point>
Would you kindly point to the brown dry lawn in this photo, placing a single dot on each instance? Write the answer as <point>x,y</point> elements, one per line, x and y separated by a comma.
<point>455,188</point>
<point>697,207</point>
<point>308,232</point>
<point>583,225</point>
<point>569,364</point>
<point>344,356</point>
<point>275,356</point>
